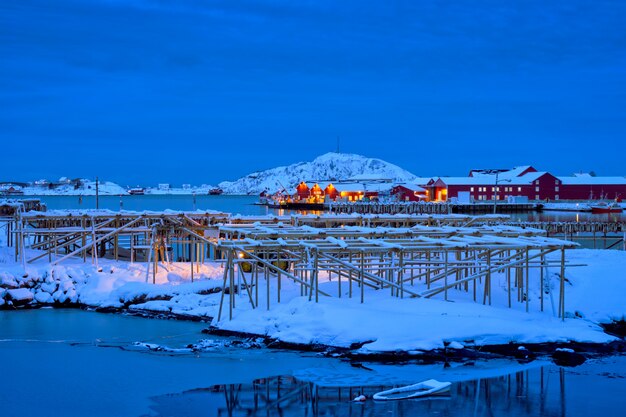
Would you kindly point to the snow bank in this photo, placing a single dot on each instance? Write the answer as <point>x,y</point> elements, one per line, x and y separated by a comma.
<point>111,284</point>
<point>387,325</point>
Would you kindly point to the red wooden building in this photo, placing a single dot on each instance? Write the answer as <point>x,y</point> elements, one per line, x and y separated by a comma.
<point>525,181</point>
<point>318,192</point>
<point>410,192</point>
<point>481,186</point>
<point>587,187</point>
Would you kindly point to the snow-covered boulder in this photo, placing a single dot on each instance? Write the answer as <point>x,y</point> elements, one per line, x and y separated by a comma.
<point>8,281</point>
<point>19,296</point>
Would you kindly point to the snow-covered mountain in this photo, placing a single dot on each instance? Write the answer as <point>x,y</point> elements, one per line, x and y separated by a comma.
<point>330,166</point>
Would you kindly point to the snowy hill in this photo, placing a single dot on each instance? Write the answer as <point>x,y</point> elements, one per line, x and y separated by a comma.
<point>330,166</point>
<point>75,187</point>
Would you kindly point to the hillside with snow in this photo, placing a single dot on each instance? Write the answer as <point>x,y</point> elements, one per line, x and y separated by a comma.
<point>75,187</point>
<point>331,166</point>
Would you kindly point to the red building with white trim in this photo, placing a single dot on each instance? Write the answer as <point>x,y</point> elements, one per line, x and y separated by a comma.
<point>525,181</point>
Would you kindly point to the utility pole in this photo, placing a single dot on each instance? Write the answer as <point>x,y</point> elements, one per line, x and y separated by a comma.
<point>97,195</point>
<point>495,198</point>
<point>495,190</point>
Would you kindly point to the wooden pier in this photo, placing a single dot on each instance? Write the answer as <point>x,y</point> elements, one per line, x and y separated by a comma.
<point>363,207</point>
<point>389,208</point>
<point>500,207</point>
<point>609,234</point>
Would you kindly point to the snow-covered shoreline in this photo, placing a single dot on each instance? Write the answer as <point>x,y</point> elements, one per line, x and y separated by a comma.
<point>382,325</point>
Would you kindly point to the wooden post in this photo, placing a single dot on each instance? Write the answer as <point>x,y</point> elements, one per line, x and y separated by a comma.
<point>428,269</point>
<point>278,283</point>
<point>339,284</point>
<point>400,273</point>
<point>116,241</point>
<point>508,281</point>
<point>256,284</point>
<point>527,279</point>
<point>267,284</point>
<point>231,267</point>
<point>362,278</point>
<point>191,244</point>
<point>219,314</point>
<point>562,292</point>
<point>445,279</point>
<point>350,277</point>
<point>487,292</point>
<point>84,238</point>
<point>541,263</point>
<point>155,262</point>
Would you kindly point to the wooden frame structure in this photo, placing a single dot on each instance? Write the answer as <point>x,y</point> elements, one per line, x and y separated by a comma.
<point>416,262</point>
<point>408,256</point>
<point>63,235</point>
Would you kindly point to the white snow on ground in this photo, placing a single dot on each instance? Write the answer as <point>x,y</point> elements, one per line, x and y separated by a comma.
<point>594,293</point>
<point>411,324</point>
<point>597,291</point>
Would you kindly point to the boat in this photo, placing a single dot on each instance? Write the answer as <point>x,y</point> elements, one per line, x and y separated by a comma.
<point>137,191</point>
<point>215,191</point>
<point>421,389</point>
<point>602,207</point>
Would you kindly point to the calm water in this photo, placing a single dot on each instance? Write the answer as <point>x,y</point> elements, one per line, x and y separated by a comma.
<point>245,205</point>
<point>228,203</point>
<point>77,363</point>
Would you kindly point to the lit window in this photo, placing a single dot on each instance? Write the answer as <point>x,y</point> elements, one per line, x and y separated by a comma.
<point>537,197</point>
<point>519,189</point>
<point>556,188</point>
<point>537,189</point>
<point>472,189</point>
<point>556,197</point>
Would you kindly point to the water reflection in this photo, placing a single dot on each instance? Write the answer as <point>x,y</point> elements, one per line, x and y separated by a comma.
<point>533,392</point>
<point>568,216</point>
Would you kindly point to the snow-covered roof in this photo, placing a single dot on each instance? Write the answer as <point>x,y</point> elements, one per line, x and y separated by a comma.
<point>589,180</point>
<point>524,179</point>
<point>412,186</point>
<point>509,174</point>
<point>467,180</point>
<point>491,179</point>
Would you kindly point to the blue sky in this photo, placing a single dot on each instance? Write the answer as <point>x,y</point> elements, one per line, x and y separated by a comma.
<point>146,91</point>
